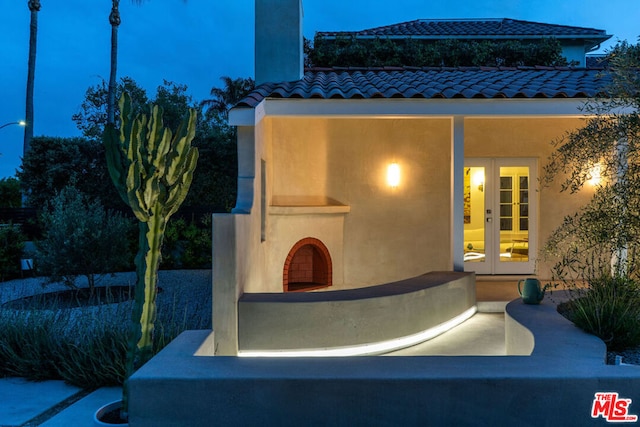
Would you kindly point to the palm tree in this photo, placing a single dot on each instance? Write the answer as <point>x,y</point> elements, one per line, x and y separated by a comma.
<point>34,8</point>
<point>114,20</point>
<point>223,99</point>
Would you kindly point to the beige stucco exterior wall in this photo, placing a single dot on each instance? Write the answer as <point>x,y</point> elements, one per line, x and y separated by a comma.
<point>532,138</point>
<point>237,261</point>
<point>325,178</point>
<point>388,233</point>
<point>375,234</point>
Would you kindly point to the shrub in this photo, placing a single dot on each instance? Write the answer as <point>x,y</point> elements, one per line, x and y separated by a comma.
<point>187,245</point>
<point>82,238</point>
<point>85,347</point>
<point>52,163</point>
<point>215,181</point>
<point>29,343</point>
<point>609,307</point>
<point>11,247</point>
<point>345,51</point>
<point>10,196</point>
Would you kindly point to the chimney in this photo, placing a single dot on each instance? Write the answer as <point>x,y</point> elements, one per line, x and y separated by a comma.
<point>279,46</point>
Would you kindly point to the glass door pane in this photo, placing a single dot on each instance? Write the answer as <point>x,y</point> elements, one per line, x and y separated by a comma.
<point>500,215</point>
<point>514,214</point>
<point>474,215</point>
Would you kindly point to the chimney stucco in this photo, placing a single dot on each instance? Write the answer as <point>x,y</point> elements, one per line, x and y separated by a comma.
<point>279,42</point>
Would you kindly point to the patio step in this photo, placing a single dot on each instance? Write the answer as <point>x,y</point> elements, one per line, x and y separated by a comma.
<point>491,306</point>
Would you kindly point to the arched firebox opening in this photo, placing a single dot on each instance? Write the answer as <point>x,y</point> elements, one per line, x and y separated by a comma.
<point>307,267</point>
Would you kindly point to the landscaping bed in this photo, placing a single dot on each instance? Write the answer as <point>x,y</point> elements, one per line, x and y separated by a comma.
<point>86,345</point>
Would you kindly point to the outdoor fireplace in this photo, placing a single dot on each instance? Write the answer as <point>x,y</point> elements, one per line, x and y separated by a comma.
<point>307,266</point>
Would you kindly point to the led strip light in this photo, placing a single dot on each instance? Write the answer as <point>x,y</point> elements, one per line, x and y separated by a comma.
<point>368,349</point>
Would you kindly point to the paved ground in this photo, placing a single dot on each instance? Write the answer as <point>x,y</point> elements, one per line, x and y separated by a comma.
<point>55,404</point>
<point>81,413</point>
<point>49,403</point>
<point>482,335</point>
<point>22,400</point>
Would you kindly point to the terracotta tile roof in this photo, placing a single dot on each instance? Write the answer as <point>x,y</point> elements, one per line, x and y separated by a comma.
<point>435,83</point>
<point>474,28</point>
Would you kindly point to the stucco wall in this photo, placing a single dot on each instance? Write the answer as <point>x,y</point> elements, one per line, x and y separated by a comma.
<point>384,234</point>
<point>532,138</point>
<point>574,53</point>
<point>389,233</point>
<point>237,261</point>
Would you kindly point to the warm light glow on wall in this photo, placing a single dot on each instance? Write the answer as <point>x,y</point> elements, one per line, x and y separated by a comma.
<point>595,175</point>
<point>478,179</point>
<point>393,175</point>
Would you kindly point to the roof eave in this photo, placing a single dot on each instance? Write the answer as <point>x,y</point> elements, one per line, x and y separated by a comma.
<point>411,108</point>
<point>242,116</point>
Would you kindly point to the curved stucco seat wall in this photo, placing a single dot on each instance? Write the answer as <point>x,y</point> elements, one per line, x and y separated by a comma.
<point>352,317</point>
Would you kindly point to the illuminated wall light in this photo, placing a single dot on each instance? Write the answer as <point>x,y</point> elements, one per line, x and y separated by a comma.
<point>478,179</point>
<point>393,175</point>
<point>368,349</point>
<point>595,177</point>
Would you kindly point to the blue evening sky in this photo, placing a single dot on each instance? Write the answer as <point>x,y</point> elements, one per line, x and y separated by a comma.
<point>198,41</point>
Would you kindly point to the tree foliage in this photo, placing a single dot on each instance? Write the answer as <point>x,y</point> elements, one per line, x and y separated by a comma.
<point>218,150</point>
<point>55,163</point>
<point>58,162</point>
<point>10,196</point>
<point>215,181</point>
<point>11,251</point>
<point>226,97</point>
<point>81,238</point>
<point>172,97</point>
<point>348,51</point>
<point>175,103</point>
<point>187,244</point>
<point>603,237</point>
<point>92,116</point>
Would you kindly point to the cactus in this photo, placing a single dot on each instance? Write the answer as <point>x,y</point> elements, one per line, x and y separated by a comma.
<point>152,170</point>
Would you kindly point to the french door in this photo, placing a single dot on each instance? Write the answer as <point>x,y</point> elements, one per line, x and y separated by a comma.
<point>500,206</point>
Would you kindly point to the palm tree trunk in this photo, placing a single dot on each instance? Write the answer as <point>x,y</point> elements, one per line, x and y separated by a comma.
<point>114,20</point>
<point>34,7</point>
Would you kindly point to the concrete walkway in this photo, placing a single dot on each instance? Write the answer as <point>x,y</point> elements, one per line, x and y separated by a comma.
<point>55,404</point>
<point>21,400</point>
<point>81,413</point>
<point>483,334</point>
<point>49,403</point>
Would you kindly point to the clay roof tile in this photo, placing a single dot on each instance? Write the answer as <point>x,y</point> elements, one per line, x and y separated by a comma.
<point>435,83</point>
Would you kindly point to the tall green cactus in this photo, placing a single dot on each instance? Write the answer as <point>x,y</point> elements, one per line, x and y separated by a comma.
<point>152,170</point>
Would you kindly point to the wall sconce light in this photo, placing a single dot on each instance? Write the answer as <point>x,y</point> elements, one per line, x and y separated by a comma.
<point>393,175</point>
<point>478,179</point>
<point>594,177</point>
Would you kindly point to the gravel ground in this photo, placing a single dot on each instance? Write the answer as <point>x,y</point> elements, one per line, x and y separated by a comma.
<point>630,356</point>
<point>183,291</point>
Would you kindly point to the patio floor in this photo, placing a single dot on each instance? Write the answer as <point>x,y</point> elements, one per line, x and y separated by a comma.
<point>481,335</point>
